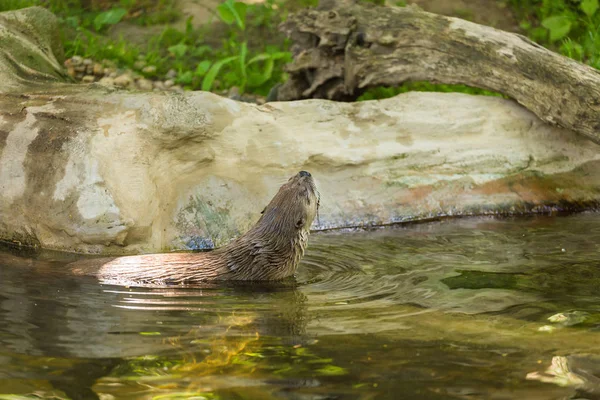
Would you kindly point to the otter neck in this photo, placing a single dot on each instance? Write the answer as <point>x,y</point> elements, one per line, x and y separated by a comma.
<point>257,256</point>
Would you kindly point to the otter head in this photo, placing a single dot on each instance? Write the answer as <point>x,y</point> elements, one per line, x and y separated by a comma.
<point>291,212</point>
<point>273,247</point>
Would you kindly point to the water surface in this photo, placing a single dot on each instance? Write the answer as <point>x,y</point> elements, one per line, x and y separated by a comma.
<point>477,308</point>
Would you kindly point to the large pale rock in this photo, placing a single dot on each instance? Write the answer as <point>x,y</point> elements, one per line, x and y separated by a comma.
<point>91,169</point>
<point>99,171</point>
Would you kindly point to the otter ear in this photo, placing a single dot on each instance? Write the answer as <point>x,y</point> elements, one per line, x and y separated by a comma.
<point>300,223</point>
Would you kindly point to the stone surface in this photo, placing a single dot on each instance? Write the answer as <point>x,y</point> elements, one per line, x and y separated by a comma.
<point>136,172</point>
<point>144,84</point>
<point>124,80</point>
<point>98,170</point>
<point>30,48</point>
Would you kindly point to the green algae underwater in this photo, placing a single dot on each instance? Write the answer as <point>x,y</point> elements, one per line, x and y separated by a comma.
<point>473,308</point>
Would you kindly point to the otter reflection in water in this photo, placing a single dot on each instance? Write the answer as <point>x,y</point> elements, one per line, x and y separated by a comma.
<point>270,250</point>
<point>68,333</point>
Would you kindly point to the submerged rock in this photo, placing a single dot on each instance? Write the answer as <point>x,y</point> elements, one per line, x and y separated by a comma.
<point>91,169</point>
<point>569,318</point>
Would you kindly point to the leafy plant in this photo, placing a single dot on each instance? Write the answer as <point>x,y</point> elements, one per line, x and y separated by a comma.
<point>178,50</point>
<point>571,27</point>
<point>558,26</point>
<point>110,17</point>
<point>232,11</point>
<point>252,72</point>
<point>589,7</point>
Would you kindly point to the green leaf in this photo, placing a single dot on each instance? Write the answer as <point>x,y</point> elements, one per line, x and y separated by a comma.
<point>110,17</point>
<point>201,50</point>
<point>202,68</point>
<point>332,370</point>
<point>185,78</point>
<point>260,57</point>
<point>178,50</point>
<point>149,333</point>
<point>525,25</point>
<point>572,49</point>
<point>559,27</point>
<point>243,55</point>
<point>72,21</point>
<point>231,11</point>
<point>225,14</point>
<point>281,54</point>
<point>189,27</point>
<point>589,7</point>
<point>256,80</point>
<point>212,73</point>
<point>241,9</point>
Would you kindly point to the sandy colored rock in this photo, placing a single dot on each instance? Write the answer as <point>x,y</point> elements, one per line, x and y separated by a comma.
<point>98,69</point>
<point>140,64</point>
<point>171,74</point>
<point>150,69</point>
<point>144,84</point>
<point>107,81</point>
<point>124,80</point>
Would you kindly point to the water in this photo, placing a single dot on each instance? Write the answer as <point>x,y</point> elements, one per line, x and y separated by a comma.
<point>476,308</point>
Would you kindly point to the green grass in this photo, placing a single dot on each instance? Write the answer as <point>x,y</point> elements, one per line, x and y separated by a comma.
<point>422,86</point>
<point>7,5</point>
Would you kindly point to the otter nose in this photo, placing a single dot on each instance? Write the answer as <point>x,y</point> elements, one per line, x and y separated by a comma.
<point>304,173</point>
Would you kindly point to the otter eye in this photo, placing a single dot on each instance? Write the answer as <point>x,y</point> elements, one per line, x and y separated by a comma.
<point>263,211</point>
<point>300,223</point>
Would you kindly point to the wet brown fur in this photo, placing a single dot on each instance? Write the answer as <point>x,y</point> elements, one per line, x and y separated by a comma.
<point>270,250</point>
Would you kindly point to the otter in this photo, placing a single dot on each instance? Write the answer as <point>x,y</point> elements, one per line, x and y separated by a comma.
<point>269,251</point>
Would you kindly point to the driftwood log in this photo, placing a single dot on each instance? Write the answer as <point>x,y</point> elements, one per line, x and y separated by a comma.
<point>342,48</point>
